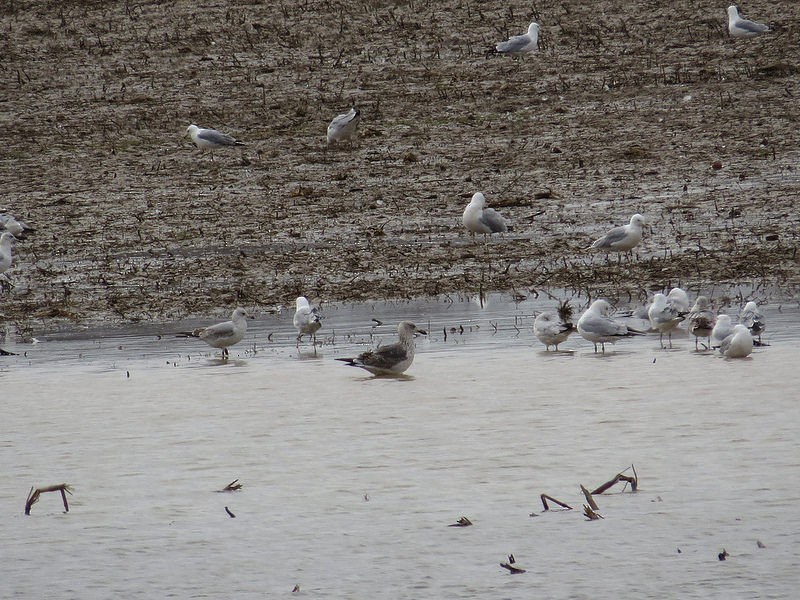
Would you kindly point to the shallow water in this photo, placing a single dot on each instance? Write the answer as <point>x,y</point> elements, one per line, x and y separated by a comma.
<point>350,482</point>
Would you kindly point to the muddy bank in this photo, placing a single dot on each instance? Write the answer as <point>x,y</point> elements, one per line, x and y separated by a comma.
<point>627,108</point>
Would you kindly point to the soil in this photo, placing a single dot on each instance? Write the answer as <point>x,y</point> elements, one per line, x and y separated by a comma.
<point>629,106</point>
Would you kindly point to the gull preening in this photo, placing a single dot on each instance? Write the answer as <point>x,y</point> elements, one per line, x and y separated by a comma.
<point>739,344</point>
<point>664,316</point>
<point>752,318</point>
<point>392,359</point>
<point>479,219</point>
<point>307,320</point>
<point>679,299</point>
<point>701,319</point>
<point>210,139</point>
<point>622,239</point>
<point>551,329</point>
<point>223,334</point>
<point>597,326</point>
<point>743,28</point>
<point>521,44</point>
<point>344,127</point>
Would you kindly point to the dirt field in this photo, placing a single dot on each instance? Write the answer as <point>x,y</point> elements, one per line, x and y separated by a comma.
<point>628,107</point>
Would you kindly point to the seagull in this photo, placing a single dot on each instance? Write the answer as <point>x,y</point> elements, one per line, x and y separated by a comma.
<point>224,334</point>
<point>6,240</point>
<point>552,328</point>
<point>752,318</point>
<point>210,139</point>
<point>679,299</point>
<point>722,329</point>
<point>739,344</point>
<point>521,44</point>
<point>742,28</point>
<point>16,228</point>
<point>597,326</point>
<point>392,359</point>
<point>306,319</point>
<point>664,317</point>
<point>343,127</point>
<point>622,239</point>
<point>478,219</point>
<point>701,320</point>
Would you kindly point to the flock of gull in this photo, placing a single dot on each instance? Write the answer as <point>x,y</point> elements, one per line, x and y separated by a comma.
<point>597,324</point>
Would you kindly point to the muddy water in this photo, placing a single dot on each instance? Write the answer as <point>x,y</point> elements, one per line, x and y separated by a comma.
<point>350,482</point>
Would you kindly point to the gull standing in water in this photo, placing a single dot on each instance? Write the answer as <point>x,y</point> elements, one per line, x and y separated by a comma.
<point>343,127</point>
<point>521,44</point>
<point>722,329</point>
<point>622,239</point>
<point>210,139</point>
<point>752,318</point>
<point>739,344</point>
<point>597,326</point>
<point>479,219</point>
<point>224,334</point>
<point>551,329</point>
<point>701,320</point>
<point>307,320</point>
<point>392,359</point>
<point>664,317</point>
<point>743,28</point>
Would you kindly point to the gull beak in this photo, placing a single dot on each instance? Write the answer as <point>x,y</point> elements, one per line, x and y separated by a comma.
<point>421,332</point>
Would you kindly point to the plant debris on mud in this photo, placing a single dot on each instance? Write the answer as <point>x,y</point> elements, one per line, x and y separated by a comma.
<point>628,107</point>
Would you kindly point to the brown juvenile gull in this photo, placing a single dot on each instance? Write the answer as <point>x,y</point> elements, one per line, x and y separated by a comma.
<point>743,28</point>
<point>622,239</point>
<point>701,319</point>
<point>343,127</point>
<point>224,334</point>
<point>210,139</point>
<point>306,319</point>
<point>392,359</point>
<point>521,44</point>
<point>479,219</point>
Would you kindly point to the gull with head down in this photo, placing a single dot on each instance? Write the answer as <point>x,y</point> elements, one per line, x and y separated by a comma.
<point>597,326</point>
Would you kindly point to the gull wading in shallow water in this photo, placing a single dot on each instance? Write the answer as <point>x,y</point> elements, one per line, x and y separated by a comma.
<point>752,318</point>
<point>479,219</point>
<point>210,139</point>
<point>701,319</point>
<point>392,359</point>
<point>664,317</point>
<point>521,44</point>
<point>743,28</point>
<point>597,326</point>
<point>551,329</point>
<point>621,239</point>
<point>306,320</point>
<point>739,344</point>
<point>224,334</point>
<point>344,127</point>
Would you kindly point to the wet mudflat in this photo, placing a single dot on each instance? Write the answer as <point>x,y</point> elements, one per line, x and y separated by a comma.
<point>350,482</point>
<point>628,107</point>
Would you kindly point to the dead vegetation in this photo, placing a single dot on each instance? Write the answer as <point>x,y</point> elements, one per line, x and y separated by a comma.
<point>620,112</point>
